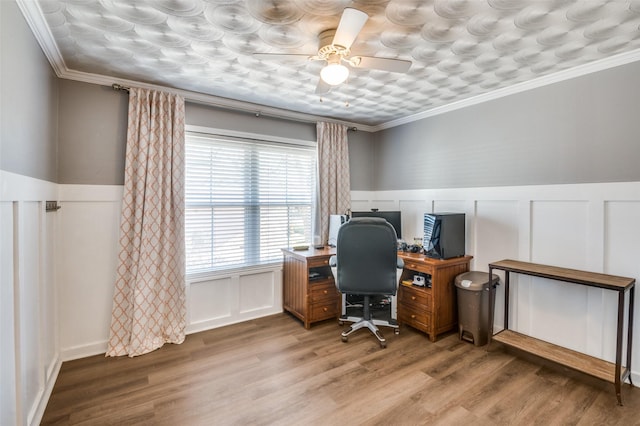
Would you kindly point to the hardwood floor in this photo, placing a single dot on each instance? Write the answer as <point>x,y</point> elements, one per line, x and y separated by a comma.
<point>273,371</point>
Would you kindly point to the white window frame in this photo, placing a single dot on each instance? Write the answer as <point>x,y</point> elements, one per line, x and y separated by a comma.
<point>226,133</point>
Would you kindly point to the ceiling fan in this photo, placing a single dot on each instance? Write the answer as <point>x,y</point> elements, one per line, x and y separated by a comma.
<point>335,47</point>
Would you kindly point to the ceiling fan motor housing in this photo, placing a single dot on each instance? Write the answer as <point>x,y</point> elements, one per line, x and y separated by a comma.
<point>327,48</point>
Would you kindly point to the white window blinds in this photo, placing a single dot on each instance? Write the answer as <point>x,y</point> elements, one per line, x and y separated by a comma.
<point>245,200</point>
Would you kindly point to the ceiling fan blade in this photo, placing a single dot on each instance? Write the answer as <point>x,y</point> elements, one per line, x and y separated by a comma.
<point>383,64</point>
<point>282,56</point>
<point>322,87</point>
<point>349,27</point>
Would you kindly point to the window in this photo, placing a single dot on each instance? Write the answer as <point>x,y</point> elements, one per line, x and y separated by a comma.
<point>245,200</point>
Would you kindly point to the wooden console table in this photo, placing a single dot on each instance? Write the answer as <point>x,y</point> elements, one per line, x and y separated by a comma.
<point>596,367</point>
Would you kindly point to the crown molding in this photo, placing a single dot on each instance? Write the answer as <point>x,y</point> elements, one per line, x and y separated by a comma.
<point>210,100</point>
<point>36,21</point>
<point>568,74</point>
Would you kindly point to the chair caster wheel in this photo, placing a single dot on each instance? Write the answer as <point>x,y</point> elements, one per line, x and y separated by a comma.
<point>340,323</point>
<point>383,345</point>
<point>396,331</point>
<point>344,338</point>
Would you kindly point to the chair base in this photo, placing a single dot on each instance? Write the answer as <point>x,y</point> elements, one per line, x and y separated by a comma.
<point>371,325</point>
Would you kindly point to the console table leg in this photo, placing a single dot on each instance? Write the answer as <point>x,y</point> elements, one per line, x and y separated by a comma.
<point>630,331</point>
<point>618,372</point>
<point>506,300</point>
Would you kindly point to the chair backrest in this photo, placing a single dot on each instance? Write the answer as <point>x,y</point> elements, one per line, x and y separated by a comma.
<point>366,253</point>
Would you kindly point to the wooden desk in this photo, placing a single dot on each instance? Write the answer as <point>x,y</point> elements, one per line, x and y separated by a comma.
<point>431,310</point>
<point>310,300</point>
<point>578,361</point>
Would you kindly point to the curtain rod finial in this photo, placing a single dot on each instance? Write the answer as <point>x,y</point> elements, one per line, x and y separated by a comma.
<point>116,86</point>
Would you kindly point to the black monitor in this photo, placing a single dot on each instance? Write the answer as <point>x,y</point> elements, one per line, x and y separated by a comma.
<point>393,217</point>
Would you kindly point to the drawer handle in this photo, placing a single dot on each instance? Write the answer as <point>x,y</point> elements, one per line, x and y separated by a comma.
<point>413,316</point>
<point>413,298</point>
<point>326,292</point>
<point>325,309</point>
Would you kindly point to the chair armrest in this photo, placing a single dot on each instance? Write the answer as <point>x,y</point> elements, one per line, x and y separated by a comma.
<point>400,267</point>
<point>333,263</point>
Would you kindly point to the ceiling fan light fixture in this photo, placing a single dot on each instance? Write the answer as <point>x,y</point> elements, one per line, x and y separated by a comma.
<point>334,74</point>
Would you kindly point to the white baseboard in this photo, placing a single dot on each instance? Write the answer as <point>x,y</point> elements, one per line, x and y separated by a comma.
<point>46,394</point>
<point>83,351</point>
<point>99,348</point>
<point>212,323</point>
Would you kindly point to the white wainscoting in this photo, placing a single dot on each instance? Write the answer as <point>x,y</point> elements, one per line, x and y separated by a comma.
<point>58,274</point>
<point>29,359</point>
<point>87,261</point>
<point>58,270</point>
<point>233,297</point>
<point>593,227</point>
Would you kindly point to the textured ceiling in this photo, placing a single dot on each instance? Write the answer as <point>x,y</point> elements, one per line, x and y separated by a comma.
<point>459,49</point>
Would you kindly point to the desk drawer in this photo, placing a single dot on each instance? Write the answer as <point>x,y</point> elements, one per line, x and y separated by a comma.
<point>418,267</point>
<point>318,262</point>
<point>323,290</point>
<point>414,317</point>
<point>320,311</point>
<point>418,297</point>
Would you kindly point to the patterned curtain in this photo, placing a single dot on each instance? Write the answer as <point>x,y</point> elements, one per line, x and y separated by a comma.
<point>333,172</point>
<point>149,307</point>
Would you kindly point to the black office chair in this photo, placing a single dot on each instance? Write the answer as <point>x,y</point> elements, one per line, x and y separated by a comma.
<point>367,263</point>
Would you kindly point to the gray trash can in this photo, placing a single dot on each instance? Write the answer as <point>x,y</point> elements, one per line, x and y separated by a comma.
<point>476,297</point>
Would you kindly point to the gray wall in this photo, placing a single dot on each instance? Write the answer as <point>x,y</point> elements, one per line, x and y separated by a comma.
<point>578,131</point>
<point>93,133</point>
<point>361,160</point>
<point>28,100</point>
<point>207,116</point>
